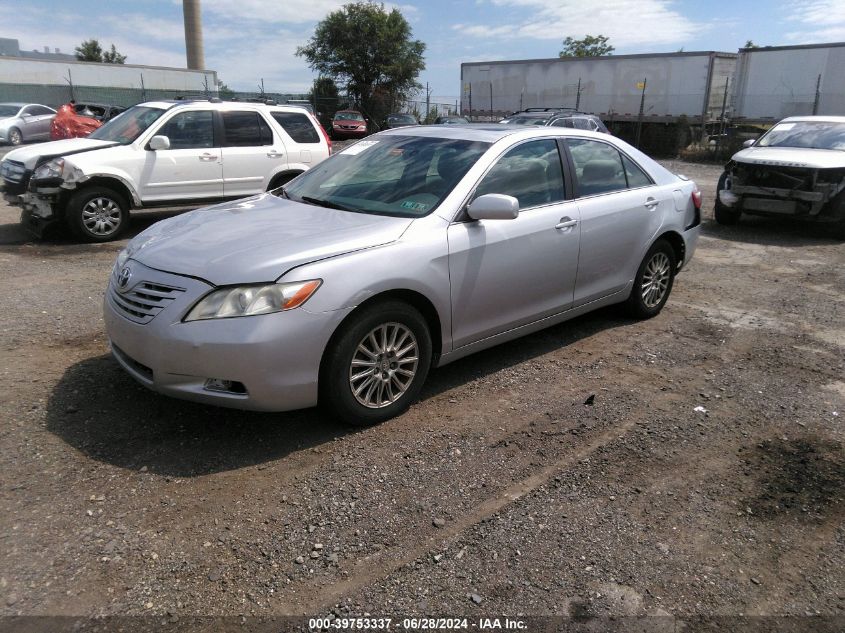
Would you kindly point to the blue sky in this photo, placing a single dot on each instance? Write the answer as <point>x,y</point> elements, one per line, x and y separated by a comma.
<point>246,40</point>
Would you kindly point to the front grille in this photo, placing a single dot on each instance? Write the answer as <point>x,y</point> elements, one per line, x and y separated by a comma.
<point>12,171</point>
<point>144,301</point>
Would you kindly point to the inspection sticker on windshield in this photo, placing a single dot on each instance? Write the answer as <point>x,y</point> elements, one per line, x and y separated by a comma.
<point>359,147</point>
<point>784,126</point>
<point>414,206</point>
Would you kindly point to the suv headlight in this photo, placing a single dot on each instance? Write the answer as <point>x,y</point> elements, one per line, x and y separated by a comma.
<point>51,169</point>
<point>251,300</point>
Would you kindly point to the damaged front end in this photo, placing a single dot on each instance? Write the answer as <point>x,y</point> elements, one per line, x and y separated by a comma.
<point>772,189</point>
<point>49,184</point>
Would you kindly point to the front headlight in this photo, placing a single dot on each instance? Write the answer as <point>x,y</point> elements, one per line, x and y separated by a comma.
<point>252,300</point>
<point>122,256</point>
<point>50,169</point>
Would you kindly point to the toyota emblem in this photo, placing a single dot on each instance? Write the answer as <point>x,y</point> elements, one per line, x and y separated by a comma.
<point>123,277</point>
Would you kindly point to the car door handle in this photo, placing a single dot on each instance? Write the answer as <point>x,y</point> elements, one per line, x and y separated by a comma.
<point>207,156</point>
<point>650,203</point>
<point>275,154</point>
<point>566,223</point>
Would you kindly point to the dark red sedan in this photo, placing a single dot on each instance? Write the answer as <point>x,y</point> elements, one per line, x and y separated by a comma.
<point>348,124</point>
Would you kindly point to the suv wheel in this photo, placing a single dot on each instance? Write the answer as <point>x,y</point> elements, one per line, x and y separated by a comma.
<point>724,215</point>
<point>97,214</point>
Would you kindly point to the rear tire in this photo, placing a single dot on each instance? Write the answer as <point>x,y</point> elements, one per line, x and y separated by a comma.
<point>723,214</point>
<point>97,214</point>
<point>653,282</point>
<point>376,364</point>
<point>15,136</point>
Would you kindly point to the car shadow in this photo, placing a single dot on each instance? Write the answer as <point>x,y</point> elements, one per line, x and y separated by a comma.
<point>97,408</point>
<point>767,231</point>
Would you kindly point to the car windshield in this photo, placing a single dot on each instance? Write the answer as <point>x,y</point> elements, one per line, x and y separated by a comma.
<point>128,126</point>
<point>454,120</point>
<point>401,118</point>
<point>348,116</point>
<point>402,176</point>
<point>8,110</point>
<point>806,134</point>
<point>527,120</point>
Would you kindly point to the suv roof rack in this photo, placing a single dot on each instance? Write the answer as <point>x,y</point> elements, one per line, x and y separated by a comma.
<point>196,98</point>
<point>552,109</point>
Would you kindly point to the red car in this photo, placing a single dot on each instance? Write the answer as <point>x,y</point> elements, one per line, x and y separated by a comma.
<point>348,124</point>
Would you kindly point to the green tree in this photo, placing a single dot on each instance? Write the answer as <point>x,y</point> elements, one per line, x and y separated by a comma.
<point>590,46</point>
<point>113,57</point>
<point>91,51</point>
<point>325,93</point>
<point>370,51</point>
<point>224,91</point>
<point>750,44</point>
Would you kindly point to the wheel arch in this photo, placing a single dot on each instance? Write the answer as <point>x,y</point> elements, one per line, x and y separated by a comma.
<point>676,241</point>
<point>280,178</point>
<point>119,185</point>
<point>413,298</point>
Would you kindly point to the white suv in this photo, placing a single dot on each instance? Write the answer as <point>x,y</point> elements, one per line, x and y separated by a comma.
<point>162,153</point>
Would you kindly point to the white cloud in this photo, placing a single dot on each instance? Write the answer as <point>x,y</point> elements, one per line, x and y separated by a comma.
<point>625,23</point>
<point>820,20</point>
<point>272,11</point>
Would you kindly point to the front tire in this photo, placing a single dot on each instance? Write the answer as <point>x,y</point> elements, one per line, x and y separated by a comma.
<point>15,136</point>
<point>97,214</point>
<point>376,365</point>
<point>723,214</point>
<point>653,282</point>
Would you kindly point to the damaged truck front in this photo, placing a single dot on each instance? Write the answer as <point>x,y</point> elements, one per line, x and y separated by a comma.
<point>797,169</point>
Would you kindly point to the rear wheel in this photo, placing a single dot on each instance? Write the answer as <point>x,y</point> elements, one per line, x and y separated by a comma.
<point>15,137</point>
<point>653,282</point>
<point>97,214</point>
<point>724,215</point>
<point>376,365</point>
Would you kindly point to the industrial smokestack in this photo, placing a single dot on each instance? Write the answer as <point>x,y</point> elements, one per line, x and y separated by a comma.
<point>193,34</point>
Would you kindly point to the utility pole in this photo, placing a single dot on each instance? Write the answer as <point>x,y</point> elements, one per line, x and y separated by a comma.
<point>818,95</point>
<point>640,115</point>
<point>470,100</point>
<point>427,101</point>
<point>491,100</point>
<point>578,96</point>
<point>192,14</point>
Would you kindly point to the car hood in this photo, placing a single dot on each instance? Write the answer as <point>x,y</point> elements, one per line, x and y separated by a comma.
<point>257,239</point>
<point>792,157</point>
<point>29,155</point>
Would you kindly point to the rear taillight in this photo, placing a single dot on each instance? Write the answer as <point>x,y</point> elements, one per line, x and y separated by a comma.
<point>696,198</point>
<point>323,132</point>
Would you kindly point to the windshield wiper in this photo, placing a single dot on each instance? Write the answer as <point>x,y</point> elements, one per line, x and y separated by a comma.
<point>326,204</point>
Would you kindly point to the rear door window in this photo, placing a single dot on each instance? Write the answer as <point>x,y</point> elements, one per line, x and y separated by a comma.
<point>298,126</point>
<point>598,167</point>
<point>530,172</point>
<point>245,129</point>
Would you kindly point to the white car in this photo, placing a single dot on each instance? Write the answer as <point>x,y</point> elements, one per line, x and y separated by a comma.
<point>161,153</point>
<point>795,170</point>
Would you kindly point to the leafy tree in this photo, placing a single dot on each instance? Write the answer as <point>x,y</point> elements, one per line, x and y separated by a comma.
<point>113,57</point>
<point>224,91</point>
<point>325,92</point>
<point>590,46</point>
<point>750,44</point>
<point>91,51</point>
<point>370,51</point>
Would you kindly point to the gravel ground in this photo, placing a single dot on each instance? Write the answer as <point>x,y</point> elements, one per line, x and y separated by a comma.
<point>706,479</point>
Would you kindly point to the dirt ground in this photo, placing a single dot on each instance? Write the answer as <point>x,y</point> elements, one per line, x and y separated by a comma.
<point>706,479</point>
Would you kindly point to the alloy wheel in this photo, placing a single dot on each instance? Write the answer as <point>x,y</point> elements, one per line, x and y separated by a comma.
<point>101,216</point>
<point>384,365</point>
<point>655,279</point>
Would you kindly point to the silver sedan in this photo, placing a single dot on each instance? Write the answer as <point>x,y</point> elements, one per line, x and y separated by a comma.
<point>21,122</point>
<point>406,251</point>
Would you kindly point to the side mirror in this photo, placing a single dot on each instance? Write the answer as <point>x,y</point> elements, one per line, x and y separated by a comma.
<point>493,206</point>
<point>749,143</point>
<point>159,142</point>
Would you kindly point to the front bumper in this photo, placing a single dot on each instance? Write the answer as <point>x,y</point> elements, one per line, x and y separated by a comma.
<point>274,357</point>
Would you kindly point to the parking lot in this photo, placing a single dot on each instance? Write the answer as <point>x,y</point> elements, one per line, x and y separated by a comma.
<point>705,478</point>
